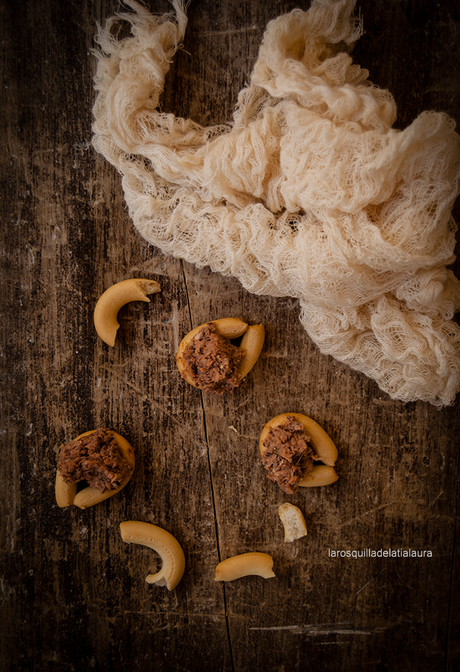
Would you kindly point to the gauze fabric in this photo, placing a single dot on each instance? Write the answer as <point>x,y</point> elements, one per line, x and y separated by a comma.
<point>309,192</point>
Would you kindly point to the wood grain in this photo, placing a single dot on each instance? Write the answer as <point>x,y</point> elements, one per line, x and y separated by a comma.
<point>74,595</point>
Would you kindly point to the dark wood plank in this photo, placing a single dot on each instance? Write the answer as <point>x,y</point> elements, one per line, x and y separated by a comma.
<point>73,238</point>
<point>73,594</point>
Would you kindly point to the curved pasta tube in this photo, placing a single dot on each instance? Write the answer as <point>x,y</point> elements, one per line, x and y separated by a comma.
<point>231,328</point>
<point>321,474</point>
<point>252,342</point>
<point>246,564</point>
<point>66,493</point>
<point>114,298</point>
<point>164,543</point>
<point>322,444</point>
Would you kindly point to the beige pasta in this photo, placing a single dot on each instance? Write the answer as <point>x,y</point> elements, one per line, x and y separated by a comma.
<point>66,493</point>
<point>321,474</point>
<point>293,521</point>
<point>246,564</point>
<point>322,443</point>
<point>252,341</point>
<point>114,298</point>
<point>164,543</point>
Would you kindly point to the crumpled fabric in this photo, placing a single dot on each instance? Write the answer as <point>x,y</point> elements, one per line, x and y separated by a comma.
<point>308,192</point>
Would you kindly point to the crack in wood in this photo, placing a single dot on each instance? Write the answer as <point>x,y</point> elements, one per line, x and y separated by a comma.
<point>369,582</point>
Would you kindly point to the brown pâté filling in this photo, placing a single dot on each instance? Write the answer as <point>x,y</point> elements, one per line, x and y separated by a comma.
<point>288,454</point>
<point>95,458</point>
<point>213,362</point>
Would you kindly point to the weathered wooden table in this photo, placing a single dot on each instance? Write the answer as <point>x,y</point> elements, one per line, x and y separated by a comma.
<point>74,595</point>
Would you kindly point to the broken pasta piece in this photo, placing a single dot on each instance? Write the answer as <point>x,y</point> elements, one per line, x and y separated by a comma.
<point>293,521</point>
<point>246,564</point>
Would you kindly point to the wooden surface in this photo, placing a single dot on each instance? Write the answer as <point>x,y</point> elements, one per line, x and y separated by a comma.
<point>74,595</point>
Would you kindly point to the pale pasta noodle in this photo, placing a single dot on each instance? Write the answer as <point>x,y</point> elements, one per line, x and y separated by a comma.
<point>309,192</point>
